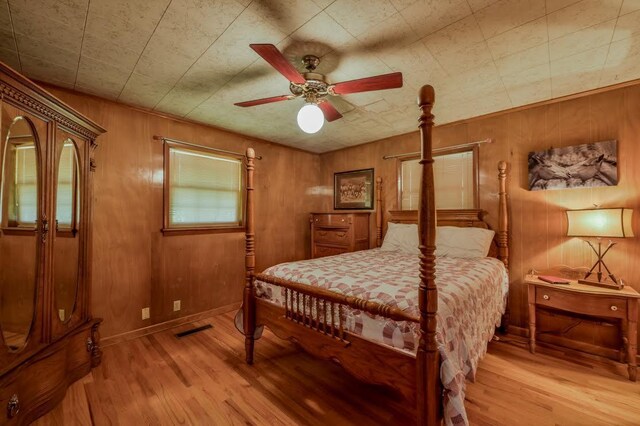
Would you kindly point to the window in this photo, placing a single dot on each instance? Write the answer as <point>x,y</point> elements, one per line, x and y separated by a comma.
<point>455,181</point>
<point>203,190</point>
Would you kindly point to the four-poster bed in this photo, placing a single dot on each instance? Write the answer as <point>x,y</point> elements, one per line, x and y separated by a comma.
<point>321,321</point>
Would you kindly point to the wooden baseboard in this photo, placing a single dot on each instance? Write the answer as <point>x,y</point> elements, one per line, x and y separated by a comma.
<point>561,342</point>
<point>129,335</point>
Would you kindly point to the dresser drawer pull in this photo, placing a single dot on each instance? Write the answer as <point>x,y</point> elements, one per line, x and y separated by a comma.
<point>546,297</point>
<point>13,407</point>
<point>323,233</point>
<point>341,234</point>
<point>614,308</point>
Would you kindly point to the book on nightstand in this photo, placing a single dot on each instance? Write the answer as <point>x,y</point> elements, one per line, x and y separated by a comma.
<point>553,280</point>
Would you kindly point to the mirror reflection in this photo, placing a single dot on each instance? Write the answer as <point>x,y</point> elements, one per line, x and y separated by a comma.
<point>66,249</point>
<point>18,239</point>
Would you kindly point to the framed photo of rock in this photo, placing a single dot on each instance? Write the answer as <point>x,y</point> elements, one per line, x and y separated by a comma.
<point>353,190</point>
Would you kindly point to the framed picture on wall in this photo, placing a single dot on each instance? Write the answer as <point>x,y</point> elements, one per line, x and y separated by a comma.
<point>353,190</point>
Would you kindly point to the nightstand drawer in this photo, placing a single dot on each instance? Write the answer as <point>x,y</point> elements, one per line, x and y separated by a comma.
<point>333,236</point>
<point>342,220</point>
<point>582,304</point>
<point>321,251</point>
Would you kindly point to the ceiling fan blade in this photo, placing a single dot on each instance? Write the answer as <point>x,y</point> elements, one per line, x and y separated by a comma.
<point>264,101</point>
<point>271,54</point>
<point>330,112</point>
<point>378,82</point>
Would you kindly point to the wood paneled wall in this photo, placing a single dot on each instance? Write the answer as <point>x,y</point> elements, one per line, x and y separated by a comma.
<point>134,265</point>
<point>538,222</point>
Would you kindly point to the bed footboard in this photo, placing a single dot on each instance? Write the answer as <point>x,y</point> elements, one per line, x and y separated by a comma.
<point>315,319</point>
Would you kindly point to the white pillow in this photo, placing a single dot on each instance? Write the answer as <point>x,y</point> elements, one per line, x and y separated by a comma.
<point>454,241</point>
<point>401,237</point>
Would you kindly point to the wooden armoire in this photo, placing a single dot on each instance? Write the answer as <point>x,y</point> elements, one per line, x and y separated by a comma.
<point>48,338</point>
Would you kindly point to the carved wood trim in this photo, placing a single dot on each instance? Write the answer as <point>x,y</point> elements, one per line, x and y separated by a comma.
<point>249,310</point>
<point>428,388</point>
<point>378,212</point>
<point>373,308</point>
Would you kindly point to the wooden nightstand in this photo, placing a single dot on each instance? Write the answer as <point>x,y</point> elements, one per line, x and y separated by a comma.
<point>589,300</point>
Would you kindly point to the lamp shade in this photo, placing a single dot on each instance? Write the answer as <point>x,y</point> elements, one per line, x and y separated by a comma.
<point>611,223</point>
<point>310,118</point>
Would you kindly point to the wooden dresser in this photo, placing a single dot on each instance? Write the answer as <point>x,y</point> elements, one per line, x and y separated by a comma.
<point>336,233</point>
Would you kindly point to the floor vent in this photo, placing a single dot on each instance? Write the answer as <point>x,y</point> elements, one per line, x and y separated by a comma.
<point>193,330</point>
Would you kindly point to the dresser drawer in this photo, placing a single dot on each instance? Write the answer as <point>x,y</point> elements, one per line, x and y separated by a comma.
<point>321,251</point>
<point>582,303</point>
<point>339,236</point>
<point>332,220</point>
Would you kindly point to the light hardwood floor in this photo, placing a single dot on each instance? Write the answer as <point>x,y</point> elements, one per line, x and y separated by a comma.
<point>202,379</point>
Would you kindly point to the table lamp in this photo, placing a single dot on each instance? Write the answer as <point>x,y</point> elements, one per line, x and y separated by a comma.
<point>600,223</point>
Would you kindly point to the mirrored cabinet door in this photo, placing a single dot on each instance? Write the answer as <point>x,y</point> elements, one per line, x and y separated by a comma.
<point>19,242</point>
<point>68,232</point>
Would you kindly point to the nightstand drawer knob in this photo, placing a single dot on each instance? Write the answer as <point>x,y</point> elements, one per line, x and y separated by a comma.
<point>546,297</point>
<point>614,308</point>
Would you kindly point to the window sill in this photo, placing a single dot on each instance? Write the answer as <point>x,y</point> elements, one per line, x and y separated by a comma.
<point>202,230</point>
<point>15,230</point>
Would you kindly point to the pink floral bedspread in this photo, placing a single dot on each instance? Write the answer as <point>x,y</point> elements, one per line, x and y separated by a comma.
<point>472,297</point>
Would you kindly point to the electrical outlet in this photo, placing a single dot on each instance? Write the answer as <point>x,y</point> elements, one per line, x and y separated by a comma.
<point>145,313</point>
<point>176,305</point>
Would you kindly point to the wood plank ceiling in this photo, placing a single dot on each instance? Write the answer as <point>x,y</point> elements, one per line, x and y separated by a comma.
<point>191,58</point>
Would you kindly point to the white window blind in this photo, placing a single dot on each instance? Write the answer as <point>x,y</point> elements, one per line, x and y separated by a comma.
<point>205,189</point>
<point>25,185</point>
<point>64,195</point>
<point>453,175</point>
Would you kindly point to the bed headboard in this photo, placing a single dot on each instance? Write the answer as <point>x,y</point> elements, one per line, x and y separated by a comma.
<point>462,218</point>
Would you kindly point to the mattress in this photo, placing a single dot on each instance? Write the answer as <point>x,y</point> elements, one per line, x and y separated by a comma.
<point>472,296</point>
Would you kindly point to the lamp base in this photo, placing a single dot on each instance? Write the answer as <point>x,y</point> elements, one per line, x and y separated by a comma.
<point>610,284</point>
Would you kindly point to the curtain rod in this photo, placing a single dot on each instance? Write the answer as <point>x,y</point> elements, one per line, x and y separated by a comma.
<point>163,139</point>
<point>446,148</point>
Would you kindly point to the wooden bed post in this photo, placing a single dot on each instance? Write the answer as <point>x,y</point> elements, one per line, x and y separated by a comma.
<point>249,308</point>
<point>428,392</point>
<point>503,234</point>
<point>378,211</point>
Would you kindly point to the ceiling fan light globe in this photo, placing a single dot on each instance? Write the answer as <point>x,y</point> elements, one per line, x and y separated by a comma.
<point>310,118</point>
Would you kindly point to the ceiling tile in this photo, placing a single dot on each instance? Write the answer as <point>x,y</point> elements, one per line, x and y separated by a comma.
<point>286,15</point>
<point>123,23</point>
<point>629,6</point>
<point>623,62</point>
<point>319,36</point>
<point>627,26</point>
<point>581,15</point>
<point>10,57</point>
<point>108,52</point>
<point>100,78</point>
<point>189,27</point>
<point>577,73</point>
<point>38,69</point>
<point>392,34</point>
<point>69,13</point>
<point>144,91</point>
<point>479,81</point>
<point>507,14</point>
<point>520,38</point>
<point>529,85</point>
<point>588,38</point>
<point>476,5</point>
<point>521,61</point>
<point>465,58</point>
<point>5,17</point>
<point>417,64</point>
<point>48,32</point>
<point>7,41</point>
<point>465,32</point>
<point>50,53</point>
<point>553,5</point>
<point>428,16</point>
<point>357,16</point>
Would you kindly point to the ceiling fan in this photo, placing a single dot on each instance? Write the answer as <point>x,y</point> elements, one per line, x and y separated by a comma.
<point>315,89</point>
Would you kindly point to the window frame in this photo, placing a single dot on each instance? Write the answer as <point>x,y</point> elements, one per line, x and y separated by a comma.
<point>441,152</point>
<point>167,228</point>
